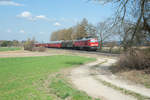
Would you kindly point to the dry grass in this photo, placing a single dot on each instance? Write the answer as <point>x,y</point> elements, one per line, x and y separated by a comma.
<point>39,49</point>
<point>134,66</point>
<point>139,77</point>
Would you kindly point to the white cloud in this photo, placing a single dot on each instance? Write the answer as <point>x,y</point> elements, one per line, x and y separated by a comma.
<point>9,3</point>
<point>57,24</point>
<point>28,15</point>
<point>41,17</point>
<point>25,14</point>
<point>22,31</point>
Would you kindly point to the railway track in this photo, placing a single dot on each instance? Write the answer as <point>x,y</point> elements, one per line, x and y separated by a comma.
<point>86,52</point>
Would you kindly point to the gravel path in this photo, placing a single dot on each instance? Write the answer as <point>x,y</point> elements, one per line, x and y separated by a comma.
<point>84,81</point>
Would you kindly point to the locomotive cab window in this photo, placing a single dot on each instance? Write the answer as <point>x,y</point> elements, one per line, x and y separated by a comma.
<point>93,40</point>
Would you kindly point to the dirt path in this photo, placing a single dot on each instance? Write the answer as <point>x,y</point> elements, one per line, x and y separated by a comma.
<point>83,80</point>
<point>105,75</point>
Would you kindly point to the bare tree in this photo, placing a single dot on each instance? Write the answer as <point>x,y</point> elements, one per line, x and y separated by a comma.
<point>104,31</point>
<point>138,11</point>
<point>91,30</point>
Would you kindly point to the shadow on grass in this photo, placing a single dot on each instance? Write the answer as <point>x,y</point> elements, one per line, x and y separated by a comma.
<point>74,63</point>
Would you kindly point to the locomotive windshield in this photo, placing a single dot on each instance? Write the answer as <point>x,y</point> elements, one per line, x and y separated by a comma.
<point>93,40</point>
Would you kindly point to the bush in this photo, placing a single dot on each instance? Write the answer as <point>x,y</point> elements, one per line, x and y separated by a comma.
<point>135,59</point>
<point>39,49</point>
<point>29,45</point>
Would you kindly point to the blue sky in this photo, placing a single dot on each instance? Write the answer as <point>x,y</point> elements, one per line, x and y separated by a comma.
<point>22,19</point>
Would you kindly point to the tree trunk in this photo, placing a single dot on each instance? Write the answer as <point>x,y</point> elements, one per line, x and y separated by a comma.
<point>100,45</point>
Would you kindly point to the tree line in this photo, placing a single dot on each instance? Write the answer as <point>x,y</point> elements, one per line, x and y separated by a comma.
<point>81,30</point>
<point>6,43</point>
<point>16,43</point>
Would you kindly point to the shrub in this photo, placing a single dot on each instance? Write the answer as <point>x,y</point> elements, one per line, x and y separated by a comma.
<point>29,45</point>
<point>134,59</point>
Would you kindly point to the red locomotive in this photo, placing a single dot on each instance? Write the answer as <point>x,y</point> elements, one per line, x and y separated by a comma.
<point>83,44</point>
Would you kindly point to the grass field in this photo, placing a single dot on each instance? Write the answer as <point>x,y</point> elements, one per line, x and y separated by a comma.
<point>9,48</point>
<point>22,78</point>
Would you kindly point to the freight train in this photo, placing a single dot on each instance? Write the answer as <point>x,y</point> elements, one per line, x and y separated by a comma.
<point>82,44</point>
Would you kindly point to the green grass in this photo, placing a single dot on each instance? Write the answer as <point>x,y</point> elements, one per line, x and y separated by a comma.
<point>63,90</point>
<point>9,48</point>
<point>21,78</point>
